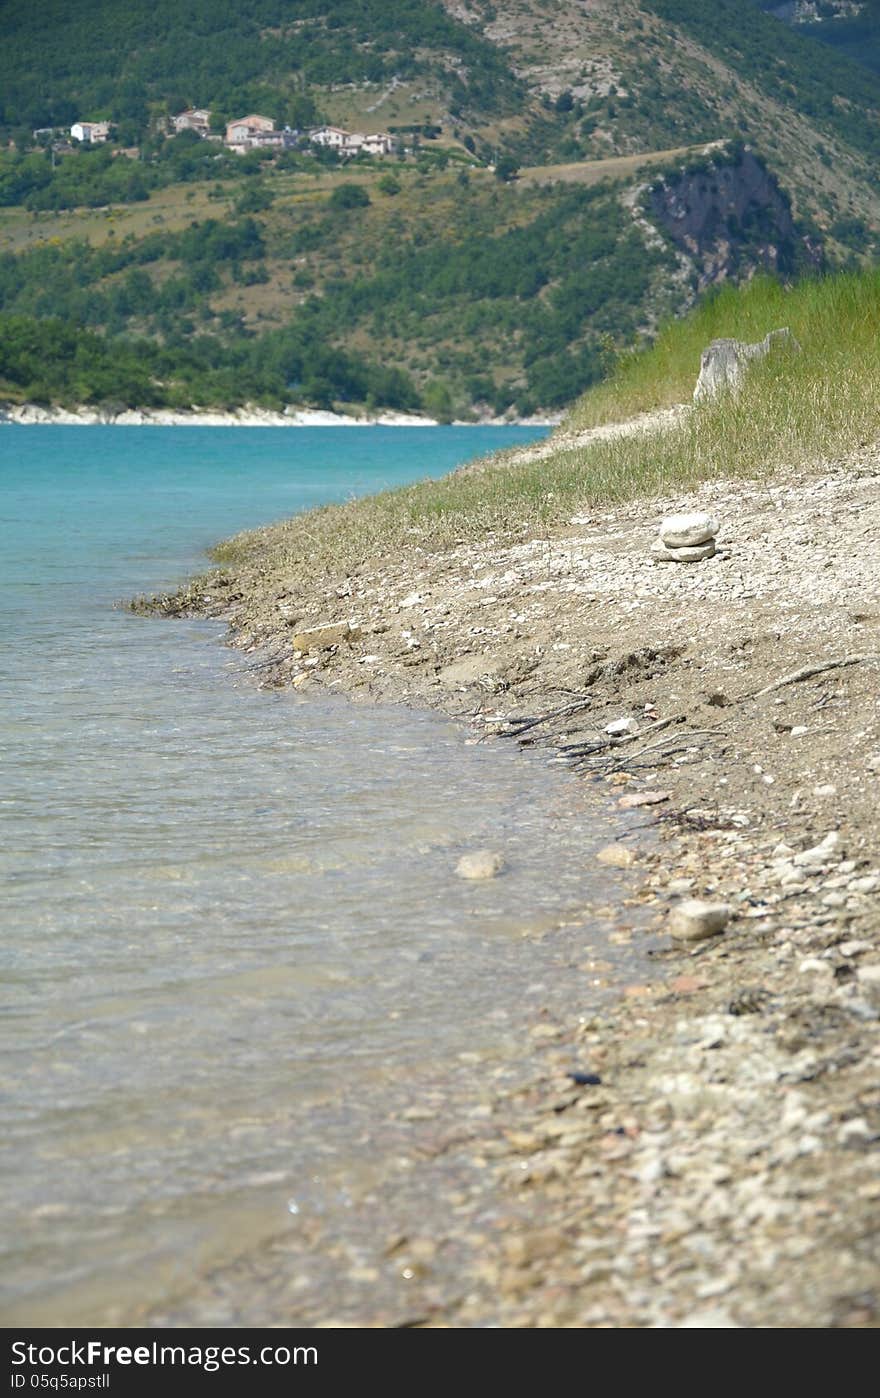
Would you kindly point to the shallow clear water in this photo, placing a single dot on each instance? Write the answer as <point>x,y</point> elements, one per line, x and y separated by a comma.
<point>230,927</point>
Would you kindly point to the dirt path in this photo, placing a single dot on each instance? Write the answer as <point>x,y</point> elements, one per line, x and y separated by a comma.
<point>565,441</point>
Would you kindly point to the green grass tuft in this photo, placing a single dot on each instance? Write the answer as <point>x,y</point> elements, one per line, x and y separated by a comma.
<point>835,319</point>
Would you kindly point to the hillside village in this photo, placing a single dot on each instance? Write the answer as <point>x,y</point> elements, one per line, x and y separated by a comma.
<point>251,132</point>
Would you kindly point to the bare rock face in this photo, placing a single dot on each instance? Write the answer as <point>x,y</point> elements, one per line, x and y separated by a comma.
<point>724,362</point>
<point>712,210</point>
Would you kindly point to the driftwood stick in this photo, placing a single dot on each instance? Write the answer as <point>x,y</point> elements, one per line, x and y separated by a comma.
<point>808,672</point>
<point>672,743</point>
<point>261,664</point>
<point>524,725</point>
<point>613,741</point>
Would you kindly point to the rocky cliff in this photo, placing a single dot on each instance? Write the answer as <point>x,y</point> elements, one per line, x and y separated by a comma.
<point>728,215</point>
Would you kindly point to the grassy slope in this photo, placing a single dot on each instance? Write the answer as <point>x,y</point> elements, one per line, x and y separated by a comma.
<point>795,410</point>
<point>834,318</point>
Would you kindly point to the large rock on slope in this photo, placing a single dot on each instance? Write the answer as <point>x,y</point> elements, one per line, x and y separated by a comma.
<point>724,362</point>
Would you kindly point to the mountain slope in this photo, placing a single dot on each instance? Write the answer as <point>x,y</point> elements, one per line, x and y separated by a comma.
<point>85,57</point>
<point>475,294</point>
<point>852,27</point>
<point>648,73</point>
<point>219,278</point>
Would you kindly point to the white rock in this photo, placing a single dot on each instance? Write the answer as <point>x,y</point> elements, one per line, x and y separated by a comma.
<point>662,554</point>
<point>687,531</point>
<point>619,726</point>
<point>723,363</point>
<point>868,883</point>
<point>820,854</point>
<point>856,1129</point>
<point>870,975</point>
<point>713,1318</point>
<point>785,873</point>
<point>676,888</point>
<point>480,864</point>
<point>695,919</point>
<point>812,966</point>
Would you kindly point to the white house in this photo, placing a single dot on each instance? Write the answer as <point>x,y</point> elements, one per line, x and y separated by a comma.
<point>380,143</point>
<point>194,119</point>
<point>352,142</point>
<point>250,131</point>
<point>91,133</point>
<point>332,136</point>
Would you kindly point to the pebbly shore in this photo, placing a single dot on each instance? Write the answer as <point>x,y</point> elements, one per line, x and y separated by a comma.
<point>36,414</point>
<point>703,1154</point>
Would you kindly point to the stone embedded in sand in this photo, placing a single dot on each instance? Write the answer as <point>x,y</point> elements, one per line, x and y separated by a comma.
<point>819,855</point>
<point>634,799</point>
<point>688,531</point>
<point>480,864</point>
<point>695,919</point>
<point>663,554</point>
<point>616,857</point>
<point>620,726</point>
<point>322,637</point>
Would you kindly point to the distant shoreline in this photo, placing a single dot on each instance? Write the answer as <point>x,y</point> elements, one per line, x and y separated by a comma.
<point>32,414</point>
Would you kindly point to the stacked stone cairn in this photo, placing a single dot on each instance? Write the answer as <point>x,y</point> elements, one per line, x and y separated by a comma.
<point>685,539</point>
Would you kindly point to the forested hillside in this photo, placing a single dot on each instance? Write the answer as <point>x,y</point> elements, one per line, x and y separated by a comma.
<point>786,65</point>
<point>518,303</point>
<point>69,58</point>
<point>510,251</point>
<point>852,27</point>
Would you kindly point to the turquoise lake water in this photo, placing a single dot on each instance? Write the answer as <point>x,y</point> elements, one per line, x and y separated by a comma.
<point>231,934</point>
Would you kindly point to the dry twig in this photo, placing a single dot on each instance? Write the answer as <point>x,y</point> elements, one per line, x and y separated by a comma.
<point>809,671</point>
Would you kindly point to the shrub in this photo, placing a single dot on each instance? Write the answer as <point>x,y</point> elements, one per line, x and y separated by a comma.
<point>349,196</point>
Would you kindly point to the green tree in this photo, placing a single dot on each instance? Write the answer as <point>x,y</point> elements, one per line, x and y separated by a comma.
<point>506,169</point>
